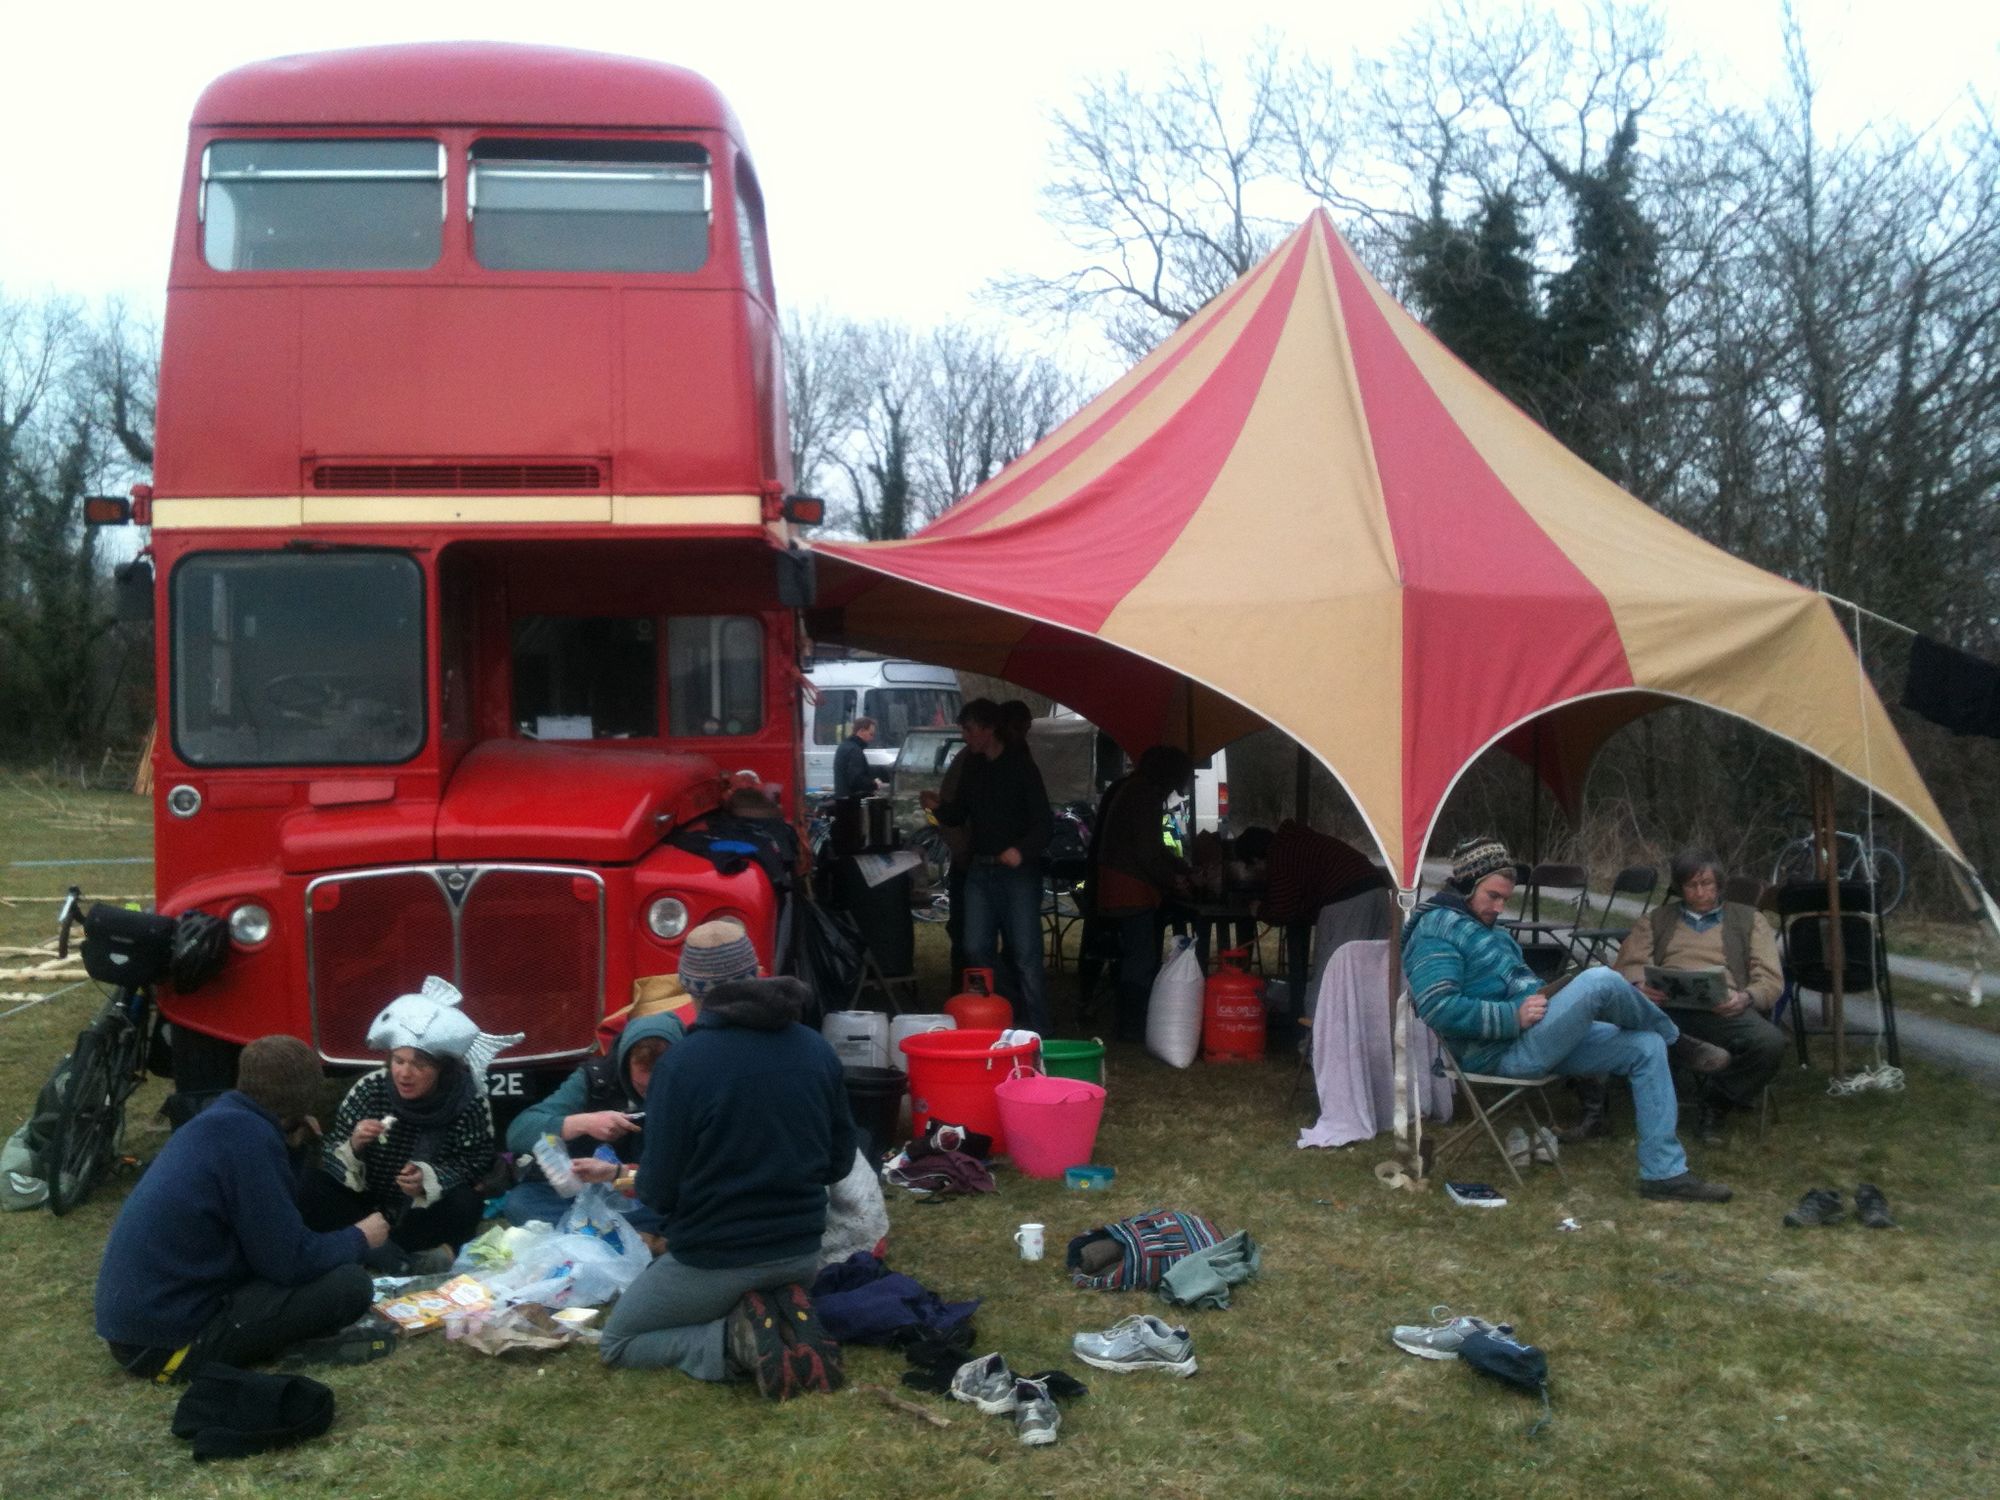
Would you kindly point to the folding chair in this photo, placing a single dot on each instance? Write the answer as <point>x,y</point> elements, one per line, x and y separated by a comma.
<point>1804,929</point>
<point>1527,1092</point>
<point>1545,944</point>
<point>1589,943</point>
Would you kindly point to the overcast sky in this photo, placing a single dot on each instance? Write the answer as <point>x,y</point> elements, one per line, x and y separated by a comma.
<point>901,145</point>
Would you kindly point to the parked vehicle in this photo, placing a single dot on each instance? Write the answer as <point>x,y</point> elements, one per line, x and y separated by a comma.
<point>900,696</point>
<point>470,522</point>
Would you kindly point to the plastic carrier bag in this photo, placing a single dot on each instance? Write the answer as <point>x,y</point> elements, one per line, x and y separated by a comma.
<point>1173,1015</point>
<point>585,1261</point>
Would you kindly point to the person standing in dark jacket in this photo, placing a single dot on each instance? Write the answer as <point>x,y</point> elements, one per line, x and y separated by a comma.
<point>1135,872</point>
<point>1003,803</point>
<point>747,1126</point>
<point>852,775</point>
<point>210,1261</point>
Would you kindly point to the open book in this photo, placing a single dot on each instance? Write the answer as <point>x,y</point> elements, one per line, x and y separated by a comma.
<point>1690,989</point>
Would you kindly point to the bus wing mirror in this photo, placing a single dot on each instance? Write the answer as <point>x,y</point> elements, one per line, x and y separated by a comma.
<point>798,579</point>
<point>133,587</point>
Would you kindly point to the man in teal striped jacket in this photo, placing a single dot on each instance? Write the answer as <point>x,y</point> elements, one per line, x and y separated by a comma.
<point>1471,985</point>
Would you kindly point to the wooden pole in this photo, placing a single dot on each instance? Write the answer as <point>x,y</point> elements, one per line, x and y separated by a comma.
<point>1836,950</point>
<point>1302,787</point>
<point>1534,816</point>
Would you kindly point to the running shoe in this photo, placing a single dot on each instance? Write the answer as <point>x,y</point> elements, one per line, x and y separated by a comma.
<point>1871,1207</point>
<point>1818,1206</point>
<point>1036,1419</point>
<point>988,1384</point>
<point>1441,1338</point>
<point>1140,1342</point>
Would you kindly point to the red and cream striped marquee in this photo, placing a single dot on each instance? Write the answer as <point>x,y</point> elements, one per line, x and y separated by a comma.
<point>1302,511</point>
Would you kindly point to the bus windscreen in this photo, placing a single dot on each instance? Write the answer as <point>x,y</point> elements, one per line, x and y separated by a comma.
<point>288,660</point>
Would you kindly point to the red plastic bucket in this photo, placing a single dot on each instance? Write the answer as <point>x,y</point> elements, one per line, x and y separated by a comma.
<point>1051,1122</point>
<point>953,1075</point>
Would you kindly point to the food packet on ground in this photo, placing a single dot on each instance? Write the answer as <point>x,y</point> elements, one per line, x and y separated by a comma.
<point>527,1327</point>
<point>421,1311</point>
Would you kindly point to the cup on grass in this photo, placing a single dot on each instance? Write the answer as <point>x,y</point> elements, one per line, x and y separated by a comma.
<point>1029,1238</point>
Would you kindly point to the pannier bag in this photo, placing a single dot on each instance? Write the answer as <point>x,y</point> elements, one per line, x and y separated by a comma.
<point>125,947</point>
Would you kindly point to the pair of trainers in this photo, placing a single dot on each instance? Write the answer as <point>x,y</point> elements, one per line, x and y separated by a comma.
<point>1442,1336</point>
<point>1140,1342</point>
<point>1542,1147</point>
<point>778,1341</point>
<point>1825,1206</point>
<point>990,1385</point>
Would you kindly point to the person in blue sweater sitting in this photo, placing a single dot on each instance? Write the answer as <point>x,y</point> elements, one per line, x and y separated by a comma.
<point>1471,985</point>
<point>747,1126</point>
<point>210,1261</point>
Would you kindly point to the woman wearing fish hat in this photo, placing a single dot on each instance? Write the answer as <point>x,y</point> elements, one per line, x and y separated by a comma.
<point>412,1140</point>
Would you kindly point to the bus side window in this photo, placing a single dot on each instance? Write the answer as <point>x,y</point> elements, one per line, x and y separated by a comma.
<point>715,666</point>
<point>832,715</point>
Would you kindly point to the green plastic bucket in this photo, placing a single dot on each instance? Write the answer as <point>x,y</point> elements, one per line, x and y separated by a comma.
<point>1083,1060</point>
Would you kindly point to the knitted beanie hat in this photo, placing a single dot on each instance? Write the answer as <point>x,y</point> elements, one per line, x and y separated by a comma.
<point>281,1073</point>
<point>1477,858</point>
<point>716,953</point>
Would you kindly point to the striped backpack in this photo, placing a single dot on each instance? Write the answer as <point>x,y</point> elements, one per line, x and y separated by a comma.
<point>1134,1254</point>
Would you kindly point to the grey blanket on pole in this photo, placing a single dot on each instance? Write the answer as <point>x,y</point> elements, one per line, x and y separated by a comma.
<point>1203,1278</point>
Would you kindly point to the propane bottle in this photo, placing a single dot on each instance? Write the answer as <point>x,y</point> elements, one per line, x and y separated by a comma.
<point>1232,1020</point>
<point>976,1007</point>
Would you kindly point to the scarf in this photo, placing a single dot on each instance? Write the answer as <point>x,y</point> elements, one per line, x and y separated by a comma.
<point>431,1115</point>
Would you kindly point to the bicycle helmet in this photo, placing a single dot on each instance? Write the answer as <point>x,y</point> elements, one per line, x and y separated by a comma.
<point>201,943</point>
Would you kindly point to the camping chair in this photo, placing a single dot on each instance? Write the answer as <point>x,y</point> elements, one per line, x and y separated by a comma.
<point>1743,890</point>
<point>1060,908</point>
<point>1803,929</point>
<point>1546,945</point>
<point>1588,943</point>
<point>1526,1092</point>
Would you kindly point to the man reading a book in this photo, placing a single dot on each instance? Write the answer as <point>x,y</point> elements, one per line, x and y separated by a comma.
<point>1471,986</point>
<point>1702,932</point>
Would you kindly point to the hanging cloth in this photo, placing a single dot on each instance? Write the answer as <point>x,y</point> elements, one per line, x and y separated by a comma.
<point>1952,688</point>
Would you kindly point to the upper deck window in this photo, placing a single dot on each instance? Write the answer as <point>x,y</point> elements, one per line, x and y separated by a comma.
<point>589,205</point>
<point>292,205</point>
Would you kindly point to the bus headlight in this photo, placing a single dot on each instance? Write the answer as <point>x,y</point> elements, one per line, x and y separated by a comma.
<point>667,918</point>
<point>249,925</point>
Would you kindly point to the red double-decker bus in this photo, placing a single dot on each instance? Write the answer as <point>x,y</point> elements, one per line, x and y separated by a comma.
<point>471,540</point>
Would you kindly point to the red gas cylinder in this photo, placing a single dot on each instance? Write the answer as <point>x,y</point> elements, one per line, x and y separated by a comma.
<point>1232,1020</point>
<point>976,1007</point>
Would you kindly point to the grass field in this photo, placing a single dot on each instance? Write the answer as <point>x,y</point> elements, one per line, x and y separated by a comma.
<point>1694,1351</point>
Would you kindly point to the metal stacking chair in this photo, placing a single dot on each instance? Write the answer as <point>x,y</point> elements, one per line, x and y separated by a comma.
<point>1526,1092</point>
<point>1804,928</point>
<point>1589,943</point>
<point>1545,944</point>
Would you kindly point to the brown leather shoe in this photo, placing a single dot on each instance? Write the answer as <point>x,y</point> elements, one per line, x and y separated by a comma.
<point>1703,1057</point>
<point>1686,1188</point>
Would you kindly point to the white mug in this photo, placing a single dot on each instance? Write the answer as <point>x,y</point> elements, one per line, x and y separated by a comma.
<point>1029,1238</point>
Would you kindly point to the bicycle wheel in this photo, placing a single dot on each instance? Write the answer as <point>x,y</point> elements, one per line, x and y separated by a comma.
<point>1890,878</point>
<point>92,1109</point>
<point>1798,861</point>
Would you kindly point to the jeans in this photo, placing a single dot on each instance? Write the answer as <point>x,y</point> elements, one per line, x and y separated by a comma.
<point>526,1201</point>
<point>672,1317</point>
<point>1002,902</point>
<point>1600,1024</point>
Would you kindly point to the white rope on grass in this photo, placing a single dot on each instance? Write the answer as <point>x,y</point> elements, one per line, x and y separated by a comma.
<point>1879,1079</point>
<point>30,1002</point>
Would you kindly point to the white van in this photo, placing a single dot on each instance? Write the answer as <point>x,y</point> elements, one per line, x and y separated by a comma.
<point>898,695</point>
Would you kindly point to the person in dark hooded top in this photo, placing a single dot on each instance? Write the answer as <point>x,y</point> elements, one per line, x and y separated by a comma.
<point>601,1102</point>
<point>747,1126</point>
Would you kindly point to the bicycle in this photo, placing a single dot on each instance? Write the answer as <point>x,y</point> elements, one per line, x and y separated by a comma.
<point>1879,866</point>
<point>106,1067</point>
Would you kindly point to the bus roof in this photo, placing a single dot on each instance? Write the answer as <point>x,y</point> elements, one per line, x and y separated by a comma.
<point>466,83</point>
